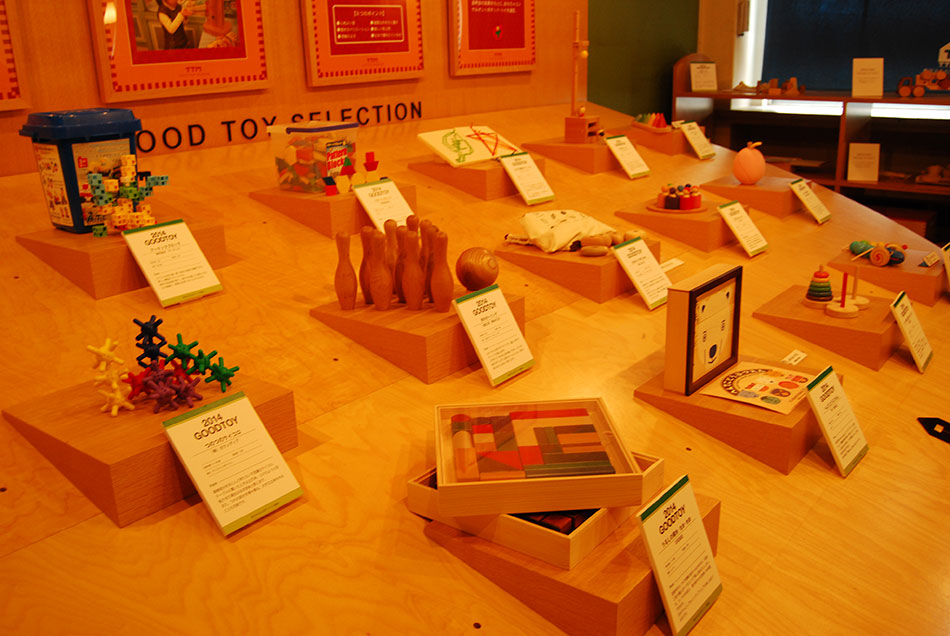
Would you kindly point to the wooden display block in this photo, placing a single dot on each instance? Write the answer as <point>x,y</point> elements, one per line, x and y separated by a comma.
<point>611,592</point>
<point>770,194</point>
<point>486,180</point>
<point>870,339</point>
<point>325,214</point>
<point>104,266</point>
<point>671,142</point>
<point>125,464</point>
<point>428,344</point>
<point>777,440</point>
<point>590,157</point>
<point>598,278</point>
<point>703,230</point>
<point>562,550</point>
<point>922,284</point>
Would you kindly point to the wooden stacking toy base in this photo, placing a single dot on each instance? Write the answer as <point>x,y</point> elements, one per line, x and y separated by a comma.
<point>922,284</point>
<point>486,180</point>
<point>612,591</point>
<point>591,157</point>
<point>598,278</point>
<point>428,344</point>
<point>771,195</point>
<point>778,440</point>
<point>125,464</point>
<point>704,230</point>
<point>869,339</point>
<point>103,266</point>
<point>325,214</point>
<point>669,142</point>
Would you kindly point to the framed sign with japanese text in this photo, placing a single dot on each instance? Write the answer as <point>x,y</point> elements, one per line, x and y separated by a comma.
<point>147,49</point>
<point>12,91</point>
<point>491,36</point>
<point>354,41</point>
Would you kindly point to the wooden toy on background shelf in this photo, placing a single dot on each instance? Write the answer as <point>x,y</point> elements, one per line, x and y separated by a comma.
<point>476,268</point>
<point>926,80</point>
<point>579,128</point>
<point>879,254</point>
<point>749,164</point>
<point>681,198</point>
<point>772,88</point>
<point>934,175</point>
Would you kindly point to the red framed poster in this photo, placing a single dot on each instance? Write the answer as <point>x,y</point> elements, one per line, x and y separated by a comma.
<point>161,48</point>
<point>491,36</point>
<point>352,41</point>
<point>12,91</point>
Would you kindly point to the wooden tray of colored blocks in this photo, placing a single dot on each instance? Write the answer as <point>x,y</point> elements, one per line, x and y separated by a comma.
<point>532,457</point>
<point>561,538</point>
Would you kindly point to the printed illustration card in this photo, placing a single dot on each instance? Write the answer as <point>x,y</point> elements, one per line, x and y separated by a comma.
<point>465,145</point>
<point>762,385</point>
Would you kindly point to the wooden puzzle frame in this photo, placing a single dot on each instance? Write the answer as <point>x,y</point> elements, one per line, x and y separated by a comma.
<point>471,38</point>
<point>13,94</point>
<point>331,61</point>
<point>130,69</point>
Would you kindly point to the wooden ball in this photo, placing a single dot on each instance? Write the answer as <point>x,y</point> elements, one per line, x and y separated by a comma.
<point>476,268</point>
<point>749,164</point>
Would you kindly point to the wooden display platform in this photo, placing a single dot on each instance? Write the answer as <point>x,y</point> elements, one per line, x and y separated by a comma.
<point>669,143</point>
<point>562,550</point>
<point>870,339</point>
<point>598,278</point>
<point>428,344</point>
<point>611,592</point>
<point>777,440</point>
<point>486,180</point>
<point>771,195</point>
<point>590,157</point>
<point>125,464</point>
<point>104,266</point>
<point>327,215</point>
<point>704,230</point>
<point>922,284</point>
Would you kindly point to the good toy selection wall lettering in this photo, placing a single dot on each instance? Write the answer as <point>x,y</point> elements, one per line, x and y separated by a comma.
<point>189,136</point>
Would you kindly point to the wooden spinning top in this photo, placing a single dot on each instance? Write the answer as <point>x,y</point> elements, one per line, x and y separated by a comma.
<point>476,268</point>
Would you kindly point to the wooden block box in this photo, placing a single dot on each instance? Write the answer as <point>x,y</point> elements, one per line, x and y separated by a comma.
<point>125,464</point>
<point>532,457</point>
<point>565,550</point>
<point>486,180</point>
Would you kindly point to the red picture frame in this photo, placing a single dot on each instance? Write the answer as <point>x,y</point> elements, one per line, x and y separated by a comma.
<point>491,36</point>
<point>355,41</point>
<point>12,90</point>
<point>217,46</point>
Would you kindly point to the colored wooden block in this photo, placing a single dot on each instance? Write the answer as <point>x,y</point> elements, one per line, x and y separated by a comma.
<point>922,284</point>
<point>589,157</point>
<point>125,465</point>
<point>598,278</point>
<point>770,194</point>
<point>325,214</point>
<point>560,550</point>
<point>703,230</point>
<point>611,592</point>
<point>428,344</point>
<point>869,339</point>
<point>486,180</point>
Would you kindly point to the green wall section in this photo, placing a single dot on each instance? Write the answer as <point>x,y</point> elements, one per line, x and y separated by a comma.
<point>633,46</point>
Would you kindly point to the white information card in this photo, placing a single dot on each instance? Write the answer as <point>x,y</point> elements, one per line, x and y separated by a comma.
<point>644,271</point>
<point>913,331</point>
<point>680,555</point>
<point>232,461</point>
<point>698,141</point>
<point>382,201</point>
<point>837,421</point>
<point>864,161</point>
<point>171,260</point>
<point>494,333</point>
<point>945,250</point>
<point>524,173</point>
<point>742,226</point>
<point>627,156</point>
<point>810,200</point>
<point>867,77</point>
<point>702,77</point>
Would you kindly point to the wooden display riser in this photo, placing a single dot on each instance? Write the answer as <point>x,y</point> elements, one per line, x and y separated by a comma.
<point>591,157</point>
<point>598,278</point>
<point>612,591</point>
<point>771,195</point>
<point>486,180</point>
<point>922,284</point>
<point>669,143</point>
<point>125,464</point>
<point>869,339</point>
<point>777,440</point>
<point>104,266</point>
<point>428,344</point>
<point>704,230</point>
<point>325,214</point>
